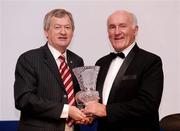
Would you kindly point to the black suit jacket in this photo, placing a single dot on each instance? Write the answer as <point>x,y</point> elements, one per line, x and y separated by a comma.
<point>39,91</point>
<point>135,94</point>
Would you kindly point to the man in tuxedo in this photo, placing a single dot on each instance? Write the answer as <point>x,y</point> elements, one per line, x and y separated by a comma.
<point>39,87</point>
<point>130,81</point>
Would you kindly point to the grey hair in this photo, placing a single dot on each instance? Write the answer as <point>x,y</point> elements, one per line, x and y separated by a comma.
<point>59,13</point>
<point>134,19</point>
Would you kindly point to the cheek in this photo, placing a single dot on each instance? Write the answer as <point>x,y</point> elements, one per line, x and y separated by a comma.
<point>111,36</point>
<point>48,33</point>
<point>110,33</point>
<point>70,35</point>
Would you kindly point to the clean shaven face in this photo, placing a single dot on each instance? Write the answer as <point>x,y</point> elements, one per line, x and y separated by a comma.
<point>121,30</point>
<point>60,33</point>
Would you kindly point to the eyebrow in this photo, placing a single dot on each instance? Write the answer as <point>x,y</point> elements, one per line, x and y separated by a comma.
<point>121,24</point>
<point>62,25</point>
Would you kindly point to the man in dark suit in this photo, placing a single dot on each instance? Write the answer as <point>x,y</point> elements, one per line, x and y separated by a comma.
<point>39,88</point>
<point>130,83</point>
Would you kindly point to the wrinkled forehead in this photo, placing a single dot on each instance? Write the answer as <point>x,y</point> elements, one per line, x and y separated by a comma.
<point>60,21</point>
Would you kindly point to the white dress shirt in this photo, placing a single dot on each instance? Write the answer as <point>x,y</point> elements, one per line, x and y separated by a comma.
<point>112,72</point>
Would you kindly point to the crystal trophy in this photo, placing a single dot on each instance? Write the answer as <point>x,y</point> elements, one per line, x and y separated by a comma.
<point>86,76</point>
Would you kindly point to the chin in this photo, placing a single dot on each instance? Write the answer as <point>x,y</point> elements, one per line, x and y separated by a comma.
<point>62,44</point>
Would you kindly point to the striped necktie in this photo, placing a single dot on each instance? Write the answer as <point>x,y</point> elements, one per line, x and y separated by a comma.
<point>67,80</point>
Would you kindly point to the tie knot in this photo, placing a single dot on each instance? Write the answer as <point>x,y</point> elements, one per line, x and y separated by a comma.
<point>62,58</point>
<point>114,55</point>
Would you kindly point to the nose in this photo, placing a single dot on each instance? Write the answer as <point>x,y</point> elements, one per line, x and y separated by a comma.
<point>63,31</point>
<point>117,31</point>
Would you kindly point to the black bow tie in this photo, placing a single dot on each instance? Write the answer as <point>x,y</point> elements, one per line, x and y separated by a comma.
<point>114,55</point>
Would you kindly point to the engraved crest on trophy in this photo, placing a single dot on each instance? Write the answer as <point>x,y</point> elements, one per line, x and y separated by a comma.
<point>86,76</point>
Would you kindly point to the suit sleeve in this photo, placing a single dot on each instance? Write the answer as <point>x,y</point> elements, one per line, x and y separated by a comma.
<point>25,93</point>
<point>146,103</point>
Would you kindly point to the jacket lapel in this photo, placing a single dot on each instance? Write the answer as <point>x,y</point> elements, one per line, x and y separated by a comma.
<point>51,63</point>
<point>122,70</point>
<point>70,63</point>
<point>102,75</point>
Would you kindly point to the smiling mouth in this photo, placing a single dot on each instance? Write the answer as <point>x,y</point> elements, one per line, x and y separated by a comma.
<point>62,38</point>
<point>118,38</point>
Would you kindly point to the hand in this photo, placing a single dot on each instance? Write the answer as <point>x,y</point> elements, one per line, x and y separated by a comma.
<point>85,121</point>
<point>95,108</point>
<point>76,114</point>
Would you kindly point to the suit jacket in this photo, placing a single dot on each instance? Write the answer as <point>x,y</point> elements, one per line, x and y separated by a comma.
<point>135,94</point>
<point>39,91</point>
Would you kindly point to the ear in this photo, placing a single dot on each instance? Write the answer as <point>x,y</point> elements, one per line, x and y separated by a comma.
<point>46,33</point>
<point>136,30</point>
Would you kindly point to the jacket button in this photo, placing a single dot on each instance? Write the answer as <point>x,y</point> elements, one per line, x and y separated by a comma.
<point>65,96</point>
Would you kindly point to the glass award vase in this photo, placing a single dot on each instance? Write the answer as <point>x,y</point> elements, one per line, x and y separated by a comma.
<point>86,76</point>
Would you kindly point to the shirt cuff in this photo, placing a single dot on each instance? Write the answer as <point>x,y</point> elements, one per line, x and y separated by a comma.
<point>65,111</point>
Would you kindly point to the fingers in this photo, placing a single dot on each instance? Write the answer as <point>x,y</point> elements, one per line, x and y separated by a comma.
<point>87,115</point>
<point>85,121</point>
<point>91,107</point>
<point>90,103</point>
<point>75,113</point>
<point>79,116</point>
<point>95,108</point>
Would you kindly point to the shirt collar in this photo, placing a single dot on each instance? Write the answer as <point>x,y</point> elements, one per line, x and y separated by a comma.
<point>128,49</point>
<point>55,52</point>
